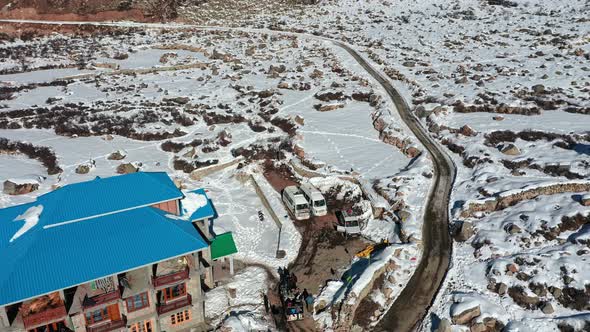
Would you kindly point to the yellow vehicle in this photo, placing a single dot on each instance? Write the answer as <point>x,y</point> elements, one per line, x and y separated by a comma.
<point>366,253</point>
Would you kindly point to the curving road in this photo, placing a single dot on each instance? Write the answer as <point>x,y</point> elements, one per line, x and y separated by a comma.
<point>413,303</point>
<point>411,306</point>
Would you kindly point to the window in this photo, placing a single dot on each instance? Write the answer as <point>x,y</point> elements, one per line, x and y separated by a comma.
<point>174,291</point>
<point>320,203</point>
<point>145,326</point>
<point>180,317</point>
<point>137,302</point>
<point>96,316</point>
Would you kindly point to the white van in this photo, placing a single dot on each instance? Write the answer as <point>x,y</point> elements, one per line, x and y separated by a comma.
<point>296,203</point>
<point>315,199</point>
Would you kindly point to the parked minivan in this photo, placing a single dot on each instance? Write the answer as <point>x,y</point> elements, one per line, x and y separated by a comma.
<point>296,202</point>
<point>315,199</point>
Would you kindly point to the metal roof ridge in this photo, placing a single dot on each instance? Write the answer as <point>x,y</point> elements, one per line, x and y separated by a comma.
<point>106,213</point>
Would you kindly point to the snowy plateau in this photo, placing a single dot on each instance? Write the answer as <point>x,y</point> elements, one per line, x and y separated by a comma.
<point>243,98</point>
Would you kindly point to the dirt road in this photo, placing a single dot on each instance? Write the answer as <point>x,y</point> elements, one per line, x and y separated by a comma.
<point>411,306</point>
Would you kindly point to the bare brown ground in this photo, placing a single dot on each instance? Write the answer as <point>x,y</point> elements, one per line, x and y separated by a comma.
<point>107,15</point>
<point>323,251</point>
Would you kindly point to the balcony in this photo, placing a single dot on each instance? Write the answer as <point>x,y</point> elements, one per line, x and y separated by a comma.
<point>176,304</point>
<point>101,299</point>
<point>170,278</point>
<point>110,326</point>
<point>45,316</point>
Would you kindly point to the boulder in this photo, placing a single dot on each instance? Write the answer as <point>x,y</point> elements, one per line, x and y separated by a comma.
<point>409,64</point>
<point>83,169</point>
<point>464,317</point>
<point>538,88</point>
<point>316,74</point>
<point>191,153</point>
<point>117,155</point>
<point>467,131</point>
<point>513,229</point>
<point>512,267</point>
<point>177,100</point>
<point>283,85</point>
<point>501,288</point>
<point>478,327</point>
<point>465,232</point>
<point>497,118</point>
<point>547,308</point>
<point>510,149</point>
<point>20,187</point>
<point>127,168</point>
<point>328,108</point>
<point>299,120</point>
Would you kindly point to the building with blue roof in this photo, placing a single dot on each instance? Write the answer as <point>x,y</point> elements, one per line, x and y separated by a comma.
<point>111,254</point>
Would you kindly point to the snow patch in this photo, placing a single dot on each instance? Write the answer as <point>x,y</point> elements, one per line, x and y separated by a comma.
<point>30,217</point>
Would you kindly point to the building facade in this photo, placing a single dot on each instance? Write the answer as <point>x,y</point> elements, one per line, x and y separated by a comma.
<point>125,253</point>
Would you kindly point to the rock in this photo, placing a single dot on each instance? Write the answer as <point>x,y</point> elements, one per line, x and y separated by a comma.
<point>83,169</point>
<point>518,294</point>
<point>330,96</point>
<point>467,131</point>
<point>547,308</point>
<point>462,80</point>
<point>127,168</point>
<point>556,292</point>
<point>478,327</point>
<point>538,88</point>
<point>538,289</point>
<point>167,56</point>
<point>498,118</point>
<point>513,229</point>
<point>465,232</point>
<point>585,200</point>
<point>20,187</point>
<point>316,74</point>
<point>191,153</point>
<point>265,94</point>
<point>510,149</point>
<point>388,292</point>
<point>328,108</point>
<point>117,155</point>
<point>283,85</point>
<point>409,64</point>
<point>177,100</point>
<point>466,316</point>
<point>512,267</point>
<point>444,326</point>
<point>108,137</point>
<point>121,56</point>
<point>299,120</point>
<point>501,288</point>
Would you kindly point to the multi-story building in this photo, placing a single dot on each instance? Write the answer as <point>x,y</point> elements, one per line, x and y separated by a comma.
<point>124,253</point>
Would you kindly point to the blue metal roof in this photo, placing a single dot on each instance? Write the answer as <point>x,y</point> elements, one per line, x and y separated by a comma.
<point>121,238</point>
<point>106,195</point>
<point>207,211</point>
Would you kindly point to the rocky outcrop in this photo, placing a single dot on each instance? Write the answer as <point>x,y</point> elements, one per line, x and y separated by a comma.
<point>117,155</point>
<point>465,316</point>
<point>465,232</point>
<point>127,168</point>
<point>504,200</point>
<point>20,187</point>
<point>510,149</point>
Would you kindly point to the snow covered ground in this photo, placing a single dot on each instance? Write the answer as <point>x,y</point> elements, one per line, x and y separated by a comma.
<point>177,101</point>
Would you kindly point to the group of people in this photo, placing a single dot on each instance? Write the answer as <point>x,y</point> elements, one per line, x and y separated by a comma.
<point>291,293</point>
